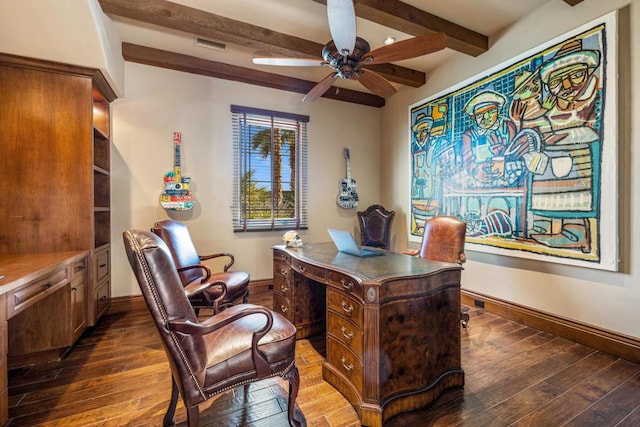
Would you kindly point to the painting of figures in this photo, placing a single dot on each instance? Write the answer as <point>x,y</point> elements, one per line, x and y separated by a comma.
<point>526,154</point>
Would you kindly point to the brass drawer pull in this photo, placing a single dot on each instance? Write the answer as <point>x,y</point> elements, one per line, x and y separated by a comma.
<point>283,309</point>
<point>346,309</point>
<point>78,268</point>
<point>345,285</point>
<point>47,285</point>
<point>348,367</point>
<point>345,334</point>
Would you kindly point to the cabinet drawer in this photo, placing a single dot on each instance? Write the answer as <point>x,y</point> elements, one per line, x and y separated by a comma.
<point>310,271</point>
<point>283,288</point>
<point>345,306</point>
<point>102,264</point>
<point>345,283</point>
<point>345,361</point>
<point>79,269</point>
<point>36,290</point>
<point>346,332</point>
<point>281,305</point>
<point>103,297</point>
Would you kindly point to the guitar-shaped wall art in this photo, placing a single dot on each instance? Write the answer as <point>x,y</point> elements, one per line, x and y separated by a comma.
<point>177,195</point>
<point>347,195</point>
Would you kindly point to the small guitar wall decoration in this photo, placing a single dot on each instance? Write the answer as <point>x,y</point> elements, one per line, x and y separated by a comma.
<point>177,195</point>
<point>347,195</point>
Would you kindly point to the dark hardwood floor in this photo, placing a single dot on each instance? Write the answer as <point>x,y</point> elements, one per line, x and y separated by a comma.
<point>118,375</point>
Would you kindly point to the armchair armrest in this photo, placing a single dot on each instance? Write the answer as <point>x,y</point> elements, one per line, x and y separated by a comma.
<point>207,281</point>
<point>220,320</point>
<point>227,266</point>
<point>412,252</point>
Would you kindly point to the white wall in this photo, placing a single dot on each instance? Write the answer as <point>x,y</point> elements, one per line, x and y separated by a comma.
<point>73,32</point>
<point>158,102</point>
<point>609,300</point>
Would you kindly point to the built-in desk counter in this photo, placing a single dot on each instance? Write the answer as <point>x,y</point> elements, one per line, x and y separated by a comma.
<point>392,323</point>
<point>42,309</point>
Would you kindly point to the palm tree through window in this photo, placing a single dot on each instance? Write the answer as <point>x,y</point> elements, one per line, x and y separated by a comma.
<point>270,170</point>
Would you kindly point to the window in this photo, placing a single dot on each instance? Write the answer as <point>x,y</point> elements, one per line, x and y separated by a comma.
<point>270,170</point>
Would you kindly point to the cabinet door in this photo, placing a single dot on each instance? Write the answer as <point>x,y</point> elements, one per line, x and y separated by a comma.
<point>79,308</point>
<point>46,161</point>
<point>79,299</point>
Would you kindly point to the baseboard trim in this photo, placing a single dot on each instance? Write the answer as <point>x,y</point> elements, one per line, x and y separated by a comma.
<point>126,304</point>
<point>619,345</point>
<point>136,302</point>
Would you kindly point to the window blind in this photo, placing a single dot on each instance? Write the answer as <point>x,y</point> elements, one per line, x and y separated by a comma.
<point>270,170</point>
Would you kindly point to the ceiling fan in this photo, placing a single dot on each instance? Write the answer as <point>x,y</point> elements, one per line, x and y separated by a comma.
<point>349,55</point>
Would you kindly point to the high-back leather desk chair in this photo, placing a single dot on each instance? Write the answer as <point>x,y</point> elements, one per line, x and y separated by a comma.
<point>243,344</point>
<point>375,226</point>
<point>236,283</point>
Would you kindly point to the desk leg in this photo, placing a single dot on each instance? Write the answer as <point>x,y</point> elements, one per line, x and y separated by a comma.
<point>4,344</point>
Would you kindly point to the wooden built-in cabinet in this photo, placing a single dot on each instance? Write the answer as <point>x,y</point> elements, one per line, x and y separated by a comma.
<point>55,144</point>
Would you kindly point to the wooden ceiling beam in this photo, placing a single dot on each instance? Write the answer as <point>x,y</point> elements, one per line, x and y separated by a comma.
<point>190,64</point>
<point>187,19</point>
<point>411,20</point>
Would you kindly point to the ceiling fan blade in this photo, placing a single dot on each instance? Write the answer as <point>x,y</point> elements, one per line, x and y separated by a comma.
<point>319,89</point>
<point>289,62</point>
<point>406,49</point>
<point>342,24</point>
<point>377,84</point>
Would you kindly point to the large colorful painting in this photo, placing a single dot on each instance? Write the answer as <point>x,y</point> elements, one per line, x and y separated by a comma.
<point>526,154</point>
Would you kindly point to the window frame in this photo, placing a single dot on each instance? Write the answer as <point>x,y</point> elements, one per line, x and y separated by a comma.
<point>241,119</point>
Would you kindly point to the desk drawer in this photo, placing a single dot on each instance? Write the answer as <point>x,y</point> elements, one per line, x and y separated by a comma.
<point>345,283</point>
<point>283,306</point>
<point>19,299</point>
<point>346,332</point>
<point>345,361</point>
<point>345,306</point>
<point>281,255</point>
<point>310,271</point>
<point>282,287</point>
<point>281,269</point>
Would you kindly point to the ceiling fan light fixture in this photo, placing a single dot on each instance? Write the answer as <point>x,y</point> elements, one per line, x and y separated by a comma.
<point>389,40</point>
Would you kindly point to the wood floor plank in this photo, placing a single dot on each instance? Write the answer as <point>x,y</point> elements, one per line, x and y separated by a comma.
<point>118,375</point>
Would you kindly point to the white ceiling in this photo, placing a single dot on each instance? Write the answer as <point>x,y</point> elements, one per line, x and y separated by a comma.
<point>307,19</point>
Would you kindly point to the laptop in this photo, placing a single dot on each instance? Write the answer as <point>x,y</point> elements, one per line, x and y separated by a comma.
<point>345,243</point>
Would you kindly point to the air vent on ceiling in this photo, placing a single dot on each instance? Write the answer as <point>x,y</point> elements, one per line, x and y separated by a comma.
<point>211,44</point>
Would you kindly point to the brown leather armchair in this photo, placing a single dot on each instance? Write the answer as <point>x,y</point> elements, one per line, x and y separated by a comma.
<point>375,226</point>
<point>242,344</point>
<point>230,286</point>
<point>443,240</point>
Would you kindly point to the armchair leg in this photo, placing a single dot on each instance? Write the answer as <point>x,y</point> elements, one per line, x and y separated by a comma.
<point>171,410</point>
<point>193,416</point>
<point>245,299</point>
<point>294,384</point>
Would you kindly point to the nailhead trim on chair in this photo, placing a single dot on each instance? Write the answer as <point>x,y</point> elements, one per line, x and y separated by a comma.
<point>165,318</point>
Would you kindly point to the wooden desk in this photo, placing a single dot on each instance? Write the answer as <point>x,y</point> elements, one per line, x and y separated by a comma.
<point>36,293</point>
<point>392,323</point>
